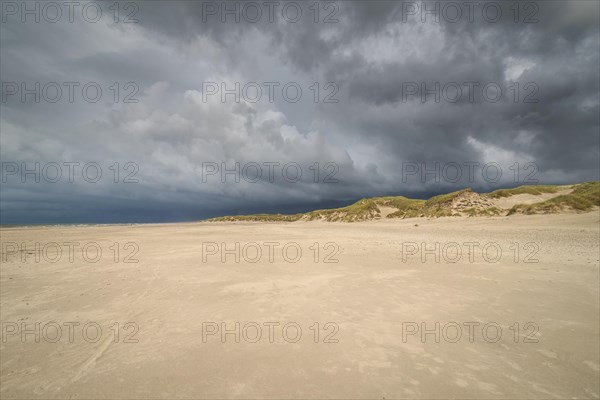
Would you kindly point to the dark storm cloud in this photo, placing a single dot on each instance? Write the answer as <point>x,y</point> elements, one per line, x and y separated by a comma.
<point>370,50</point>
<point>564,123</point>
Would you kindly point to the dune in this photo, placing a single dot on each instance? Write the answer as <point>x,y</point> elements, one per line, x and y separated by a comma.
<point>539,199</point>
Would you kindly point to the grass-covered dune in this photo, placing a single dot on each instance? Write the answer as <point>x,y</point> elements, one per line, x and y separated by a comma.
<point>584,197</point>
<point>535,190</point>
<point>580,198</point>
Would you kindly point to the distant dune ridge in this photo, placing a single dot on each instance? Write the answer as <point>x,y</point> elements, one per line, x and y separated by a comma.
<point>540,199</point>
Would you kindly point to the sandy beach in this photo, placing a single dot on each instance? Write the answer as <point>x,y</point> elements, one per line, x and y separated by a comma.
<point>300,200</point>
<point>502,307</point>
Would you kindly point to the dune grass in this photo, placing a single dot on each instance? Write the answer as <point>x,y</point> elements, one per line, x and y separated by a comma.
<point>437,206</point>
<point>487,212</point>
<point>407,208</point>
<point>360,211</point>
<point>583,198</point>
<point>259,218</point>
<point>534,190</point>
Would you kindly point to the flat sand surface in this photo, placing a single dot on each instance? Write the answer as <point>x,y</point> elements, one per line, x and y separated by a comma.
<point>523,323</point>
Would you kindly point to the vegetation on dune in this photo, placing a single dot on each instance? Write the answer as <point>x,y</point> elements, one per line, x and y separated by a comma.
<point>407,208</point>
<point>583,198</point>
<point>462,202</point>
<point>439,206</point>
<point>486,212</point>
<point>535,190</point>
<point>399,202</point>
<point>362,210</point>
<point>407,213</point>
<point>437,201</point>
<point>589,191</point>
<point>259,218</point>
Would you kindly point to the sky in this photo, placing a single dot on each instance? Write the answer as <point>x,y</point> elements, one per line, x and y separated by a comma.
<point>160,111</point>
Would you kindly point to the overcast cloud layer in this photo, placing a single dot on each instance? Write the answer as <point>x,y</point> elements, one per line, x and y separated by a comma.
<point>374,140</point>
